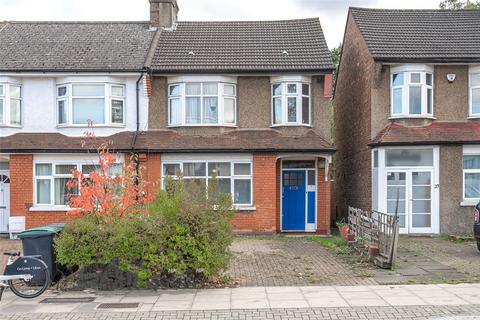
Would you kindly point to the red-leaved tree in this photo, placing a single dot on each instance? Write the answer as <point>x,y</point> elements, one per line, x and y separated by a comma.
<point>106,193</point>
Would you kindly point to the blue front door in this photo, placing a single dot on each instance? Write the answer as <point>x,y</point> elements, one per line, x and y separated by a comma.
<point>293,201</point>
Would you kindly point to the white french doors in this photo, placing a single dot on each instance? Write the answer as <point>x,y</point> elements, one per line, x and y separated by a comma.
<point>410,192</point>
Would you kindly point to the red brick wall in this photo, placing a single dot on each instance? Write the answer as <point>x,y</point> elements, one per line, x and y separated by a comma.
<point>21,194</point>
<point>265,197</point>
<point>324,196</point>
<point>150,165</point>
<point>353,115</point>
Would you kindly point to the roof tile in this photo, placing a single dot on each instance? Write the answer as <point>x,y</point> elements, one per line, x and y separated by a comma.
<point>243,46</point>
<point>420,35</point>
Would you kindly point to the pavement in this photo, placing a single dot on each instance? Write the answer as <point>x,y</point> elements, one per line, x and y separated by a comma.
<point>253,300</point>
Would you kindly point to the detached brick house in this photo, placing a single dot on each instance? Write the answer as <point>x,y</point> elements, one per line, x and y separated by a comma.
<point>407,110</point>
<point>245,101</point>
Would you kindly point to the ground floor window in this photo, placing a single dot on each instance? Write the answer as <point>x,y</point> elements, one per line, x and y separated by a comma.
<point>52,175</point>
<point>471,174</point>
<point>234,177</point>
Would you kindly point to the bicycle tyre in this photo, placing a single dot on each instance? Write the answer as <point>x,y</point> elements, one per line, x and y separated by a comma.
<point>42,274</point>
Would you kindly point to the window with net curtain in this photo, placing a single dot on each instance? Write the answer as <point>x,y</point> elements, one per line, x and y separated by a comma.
<point>291,103</point>
<point>202,103</point>
<point>411,94</point>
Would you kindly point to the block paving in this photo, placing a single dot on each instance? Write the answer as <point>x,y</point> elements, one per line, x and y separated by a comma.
<point>293,261</point>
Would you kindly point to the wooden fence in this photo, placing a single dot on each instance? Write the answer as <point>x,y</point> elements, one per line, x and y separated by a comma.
<point>373,228</point>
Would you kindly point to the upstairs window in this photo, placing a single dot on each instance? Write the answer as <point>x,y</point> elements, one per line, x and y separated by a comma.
<point>474,84</point>
<point>202,103</point>
<point>98,103</point>
<point>412,92</point>
<point>10,104</point>
<point>291,103</point>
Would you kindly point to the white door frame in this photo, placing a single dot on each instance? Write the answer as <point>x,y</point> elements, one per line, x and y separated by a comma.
<point>435,181</point>
<point>309,227</point>
<point>5,207</point>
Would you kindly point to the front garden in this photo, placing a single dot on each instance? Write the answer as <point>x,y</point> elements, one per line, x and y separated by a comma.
<point>127,233</point>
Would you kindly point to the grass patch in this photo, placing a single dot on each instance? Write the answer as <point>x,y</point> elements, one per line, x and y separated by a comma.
<point>462,238</point>
<point>336,245</point>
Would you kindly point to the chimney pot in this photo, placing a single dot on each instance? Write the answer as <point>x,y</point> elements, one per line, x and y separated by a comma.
<point>163,13</point>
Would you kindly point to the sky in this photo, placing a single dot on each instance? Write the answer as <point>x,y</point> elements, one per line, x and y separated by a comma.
<point>332,13</point>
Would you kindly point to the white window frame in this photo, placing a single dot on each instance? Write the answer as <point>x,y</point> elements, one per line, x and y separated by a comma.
<point>472,71</point>
<point>284,83</point>
<point>182,160</point>
<point>107,96</point>
<point>5,104</point>
<point>221,96</point>
<point>408,71</point>
<point>469,151</point>
<point>77,162</point>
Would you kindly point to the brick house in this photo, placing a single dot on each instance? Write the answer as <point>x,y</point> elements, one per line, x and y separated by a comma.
<point>407,104</point>
<point>246,101</point>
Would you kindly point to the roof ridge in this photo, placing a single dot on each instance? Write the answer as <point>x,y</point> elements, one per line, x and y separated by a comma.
<point>75,22</point>
<point>251,21</point>
<point>411,10</point>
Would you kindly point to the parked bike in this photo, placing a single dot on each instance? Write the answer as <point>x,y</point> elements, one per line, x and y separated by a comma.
<point>27,276</point>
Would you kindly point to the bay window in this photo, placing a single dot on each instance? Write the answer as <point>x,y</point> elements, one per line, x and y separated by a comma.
<point>52,177</point>
<point>10,104</point>
<point>412,91</point>
<point>474,92</point>
<point>98,103</point>
<point>291,103</point>
<point>201,103</point>
<point>232,177</point>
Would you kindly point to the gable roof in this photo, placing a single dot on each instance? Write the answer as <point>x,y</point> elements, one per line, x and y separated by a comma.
<point>438,132</point>
<point>243,46</point>
<point>74,46</point>
<point>420,35</point>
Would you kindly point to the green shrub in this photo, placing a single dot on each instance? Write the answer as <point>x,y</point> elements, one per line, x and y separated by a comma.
<point>183,240</point>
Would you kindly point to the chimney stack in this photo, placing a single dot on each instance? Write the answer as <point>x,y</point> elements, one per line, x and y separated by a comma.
<point>163,13</point>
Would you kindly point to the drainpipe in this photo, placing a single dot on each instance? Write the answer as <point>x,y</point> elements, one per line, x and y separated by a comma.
<point>137,130</point>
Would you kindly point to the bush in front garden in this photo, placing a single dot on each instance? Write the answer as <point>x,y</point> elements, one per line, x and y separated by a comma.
<point>182,241</point>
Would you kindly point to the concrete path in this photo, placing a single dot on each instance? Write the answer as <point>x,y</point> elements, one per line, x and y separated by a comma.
<point>254,298</point>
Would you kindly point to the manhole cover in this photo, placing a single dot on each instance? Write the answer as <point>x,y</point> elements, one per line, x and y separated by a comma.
<point>131,305</point>
<point>68,300</point>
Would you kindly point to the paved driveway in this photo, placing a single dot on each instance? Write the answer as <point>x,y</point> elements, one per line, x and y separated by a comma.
<point>289,261</point>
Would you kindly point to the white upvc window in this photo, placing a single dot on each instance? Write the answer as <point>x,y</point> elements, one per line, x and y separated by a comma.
<point>202,104</point>
<point>411,91</point>
<point>474,91</point>
<point>51,178</point>
<point>10,104</point>
<point>102,104</point>
<point>471,176</point>
<point>233,177</point>
<point>291,103</point>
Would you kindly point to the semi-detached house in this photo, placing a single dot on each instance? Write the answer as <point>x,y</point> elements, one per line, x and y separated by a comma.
<point>407,110</point>
<point>247,102</point>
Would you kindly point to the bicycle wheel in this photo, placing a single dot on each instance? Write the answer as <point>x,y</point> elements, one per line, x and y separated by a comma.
<point>36,285</point>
